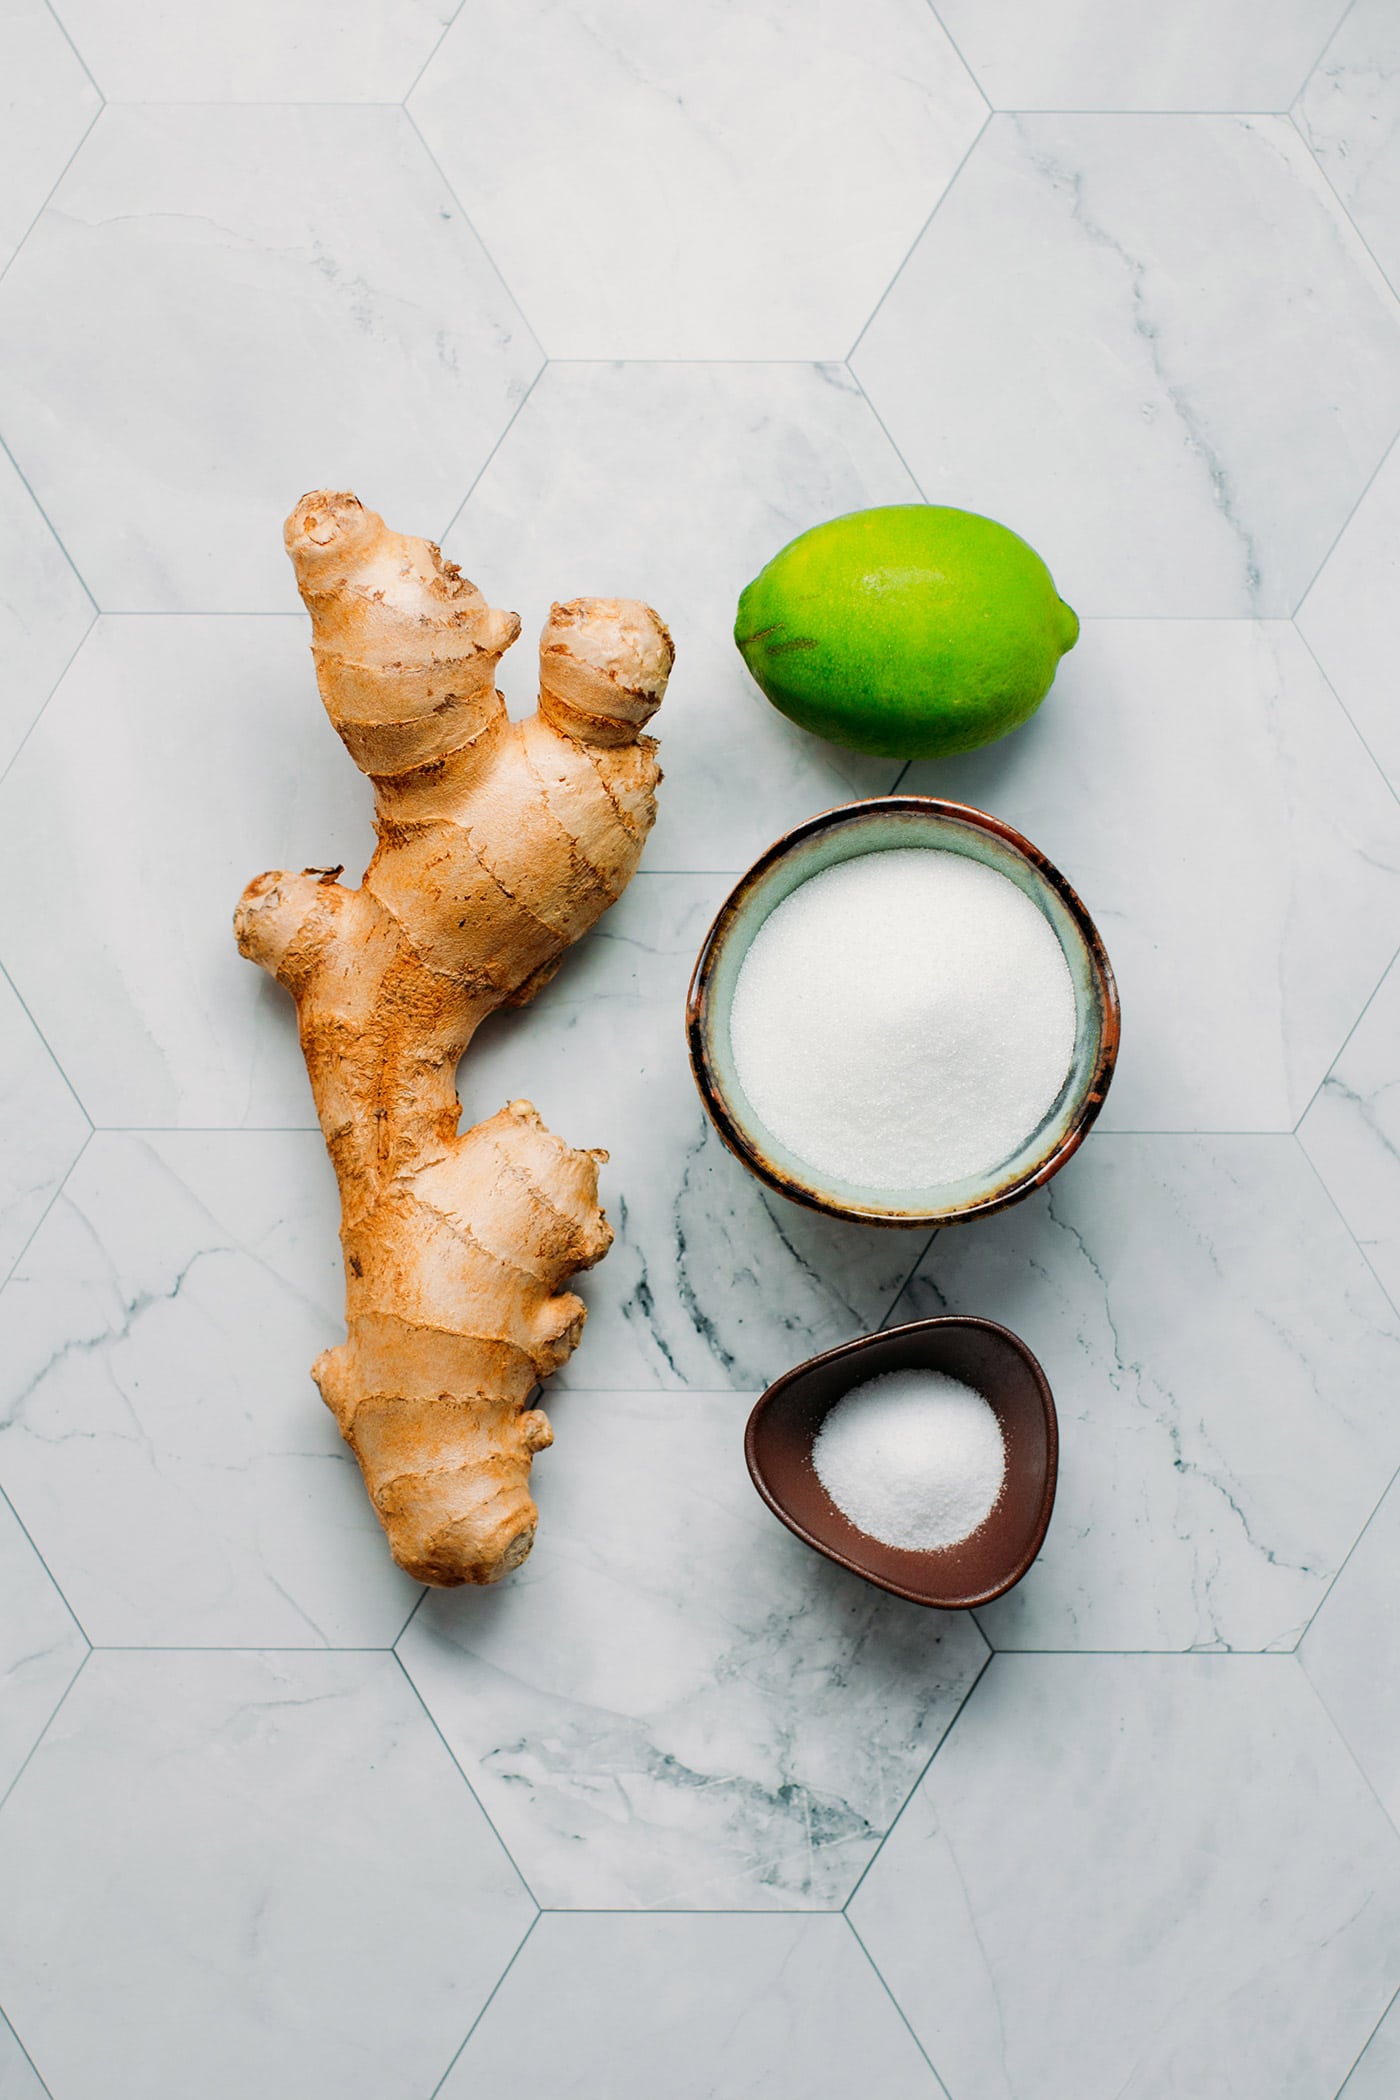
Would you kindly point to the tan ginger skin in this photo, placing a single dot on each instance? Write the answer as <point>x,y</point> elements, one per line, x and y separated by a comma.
<point>500,843</point>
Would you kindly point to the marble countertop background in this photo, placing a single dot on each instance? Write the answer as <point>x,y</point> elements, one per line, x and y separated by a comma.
<point>618,297</point>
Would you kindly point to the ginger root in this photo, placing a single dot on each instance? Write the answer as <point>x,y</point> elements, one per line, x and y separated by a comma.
<point>500,843</point>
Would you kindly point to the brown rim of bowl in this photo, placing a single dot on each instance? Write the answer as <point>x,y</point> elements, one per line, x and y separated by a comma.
<point>856,1348</point>
<point>744,1147</point>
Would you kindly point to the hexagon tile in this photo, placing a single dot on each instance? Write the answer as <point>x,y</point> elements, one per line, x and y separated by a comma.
<point>1350,115</point>
<point>235,1873</point>
<point>1351,1132</point>
<point>49,102</point>
<point>178,759</point>
<point>692,2008</point>
<point>1183,1888</point>
<point>257,337</point>
<point>676,483</point>
<point>711,181</point>
<point>259,50</point>
<point>678,1706</point>
<point>159,1431</point>
<point>41,1651</point>
<point>1201,788</point>
<point>1224,1365</point>
<point>1135,54</point>
<point>1114,399</point>
<point>1351,616</point>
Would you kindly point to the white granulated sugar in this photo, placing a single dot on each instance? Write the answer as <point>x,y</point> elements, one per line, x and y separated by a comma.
<point>904,1019</point>
<point>913,1458</point>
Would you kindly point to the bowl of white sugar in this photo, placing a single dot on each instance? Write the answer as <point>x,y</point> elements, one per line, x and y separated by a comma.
<point>923,1458</point>
<point>903,1014</point>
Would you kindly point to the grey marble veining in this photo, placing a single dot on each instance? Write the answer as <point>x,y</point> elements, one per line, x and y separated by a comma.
<point>678,1707</point>
<point>1105,410</point>
<point>1224,1367</point>
<point>159,1430</point>
<point>1147,315</point>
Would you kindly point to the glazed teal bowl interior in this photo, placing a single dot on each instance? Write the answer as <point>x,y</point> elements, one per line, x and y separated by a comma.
<point>881,826</point>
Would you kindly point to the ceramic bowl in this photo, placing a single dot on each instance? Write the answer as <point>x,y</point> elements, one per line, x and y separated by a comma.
<point>891,821</point>
<point>997,1364</point>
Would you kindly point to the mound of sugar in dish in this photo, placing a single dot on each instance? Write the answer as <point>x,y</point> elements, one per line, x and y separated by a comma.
<point>904,1019</point>
<point>913,1458</point>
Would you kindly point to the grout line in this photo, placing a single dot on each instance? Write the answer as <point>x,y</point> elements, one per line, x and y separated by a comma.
<point>72,659</point>
<point>468,221</point>
<point>879,1976</point>
<point>87,133</point>
<point>1339,200</point>
<point>48,1046</point>
<point>419,1602</point>
<point>4,1497</point>
<point>57,538</point>
<point>1351,719</point>
<point>987,1660</point>
<point>889,438</point>
<point>893,1305</point>
<point>1335,542</point>
<point>9,2023</point>
<point>1346,1223</point>
<point>494,450</point>
<point>1312,1098</point>
<point>68,40</point>
<point>437,1731</point>
<point>962,60</point>
<point>40,1220</point>
<point>1325,1710</point>
<point>938,205</point>
<point>1330,40</point>
<point>44,1731</point>
<point>448,26</point>
<point>487,2006</point>
<point>1341,2090</point>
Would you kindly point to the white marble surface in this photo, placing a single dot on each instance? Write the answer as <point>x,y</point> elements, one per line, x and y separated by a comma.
<point>691,2008</point>
<point>1203,791</point>
<point>47,102</point>
<point>676,483</point>
<point>284,1828</point>
<point>1197,1894</point>
<point>1224,1365</point>
<point>1350,618</point>
<point>1351,1652</point>
<point>1351,1132</point>
<point>1182,438</point>
<point>257,1873</point>
<point>664,182</point>
<point>284,291</point>
<point>1349,113</point>
<point>258,50</point>
<point>1377,2073</point>
<point>45,1128</point>
<point>41,1648</point>
<point>159,1430</point>
<point>44,614</point>
<point>1138,55</point>
<point>675,1709</point>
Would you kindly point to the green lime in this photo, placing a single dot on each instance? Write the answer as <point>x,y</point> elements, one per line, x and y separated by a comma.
<point>913,631</point>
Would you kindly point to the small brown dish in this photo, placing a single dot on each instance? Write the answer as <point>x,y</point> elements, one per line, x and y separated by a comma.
<point>996,1363</point>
